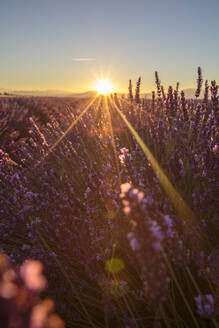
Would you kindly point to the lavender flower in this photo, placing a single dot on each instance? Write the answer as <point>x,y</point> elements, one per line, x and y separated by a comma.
<point>205,305</point>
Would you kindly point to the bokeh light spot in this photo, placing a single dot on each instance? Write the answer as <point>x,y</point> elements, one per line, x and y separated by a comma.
<point>114,265</point>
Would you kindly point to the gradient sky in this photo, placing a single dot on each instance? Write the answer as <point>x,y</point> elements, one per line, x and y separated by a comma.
<point>67,44</point>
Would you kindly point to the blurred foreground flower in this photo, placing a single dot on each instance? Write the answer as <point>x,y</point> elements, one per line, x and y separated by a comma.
<point>145,239</point>
<point>20,304</point>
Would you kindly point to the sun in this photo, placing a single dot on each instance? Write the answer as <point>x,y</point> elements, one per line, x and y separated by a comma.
<point>104,86</point>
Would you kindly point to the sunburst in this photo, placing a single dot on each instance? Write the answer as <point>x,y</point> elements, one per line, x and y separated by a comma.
<point>104,87</point>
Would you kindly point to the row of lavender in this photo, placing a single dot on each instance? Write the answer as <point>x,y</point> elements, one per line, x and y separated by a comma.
<point>114,250</point>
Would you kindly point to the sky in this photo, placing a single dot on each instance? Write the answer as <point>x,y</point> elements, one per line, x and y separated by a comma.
<point>69,44</point>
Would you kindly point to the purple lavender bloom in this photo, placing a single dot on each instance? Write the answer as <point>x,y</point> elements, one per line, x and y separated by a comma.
<point>205,305</point>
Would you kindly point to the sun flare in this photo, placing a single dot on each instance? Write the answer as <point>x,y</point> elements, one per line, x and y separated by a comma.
<point>103,87</point>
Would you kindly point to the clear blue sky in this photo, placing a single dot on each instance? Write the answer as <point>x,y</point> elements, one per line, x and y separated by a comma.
<point>43,42</point>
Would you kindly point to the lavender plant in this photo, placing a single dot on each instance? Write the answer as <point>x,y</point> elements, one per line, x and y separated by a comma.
<point>92,209</point>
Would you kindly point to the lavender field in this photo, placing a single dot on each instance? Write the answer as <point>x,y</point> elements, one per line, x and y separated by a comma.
<point>117,198</point>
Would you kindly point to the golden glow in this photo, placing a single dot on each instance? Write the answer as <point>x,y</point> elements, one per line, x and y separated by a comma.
<point>104,86</point>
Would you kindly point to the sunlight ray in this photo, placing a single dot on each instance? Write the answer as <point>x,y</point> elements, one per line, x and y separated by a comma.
<point>132,105</point>
<point>96,111</point>
<point>106,99</point>
<point>181,207</point>
<point>67,131</point>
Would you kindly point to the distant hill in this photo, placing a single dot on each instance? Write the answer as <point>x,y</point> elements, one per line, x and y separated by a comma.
<point>189,93</point>
<point>47,93</point>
